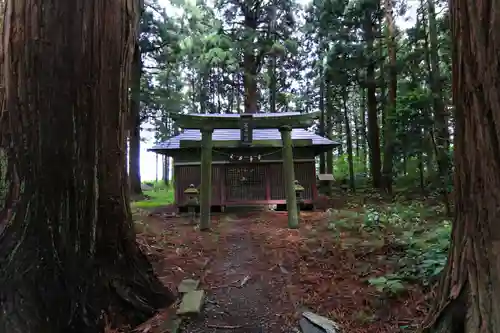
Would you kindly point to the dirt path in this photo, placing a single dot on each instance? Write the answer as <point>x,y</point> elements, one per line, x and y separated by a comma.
<point>243,301</point>
<point>283,270</point>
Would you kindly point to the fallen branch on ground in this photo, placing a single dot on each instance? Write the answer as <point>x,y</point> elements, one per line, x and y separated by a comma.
<point>224,327</point>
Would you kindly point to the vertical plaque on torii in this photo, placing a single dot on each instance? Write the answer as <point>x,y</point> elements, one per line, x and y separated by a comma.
<point>246,129</point>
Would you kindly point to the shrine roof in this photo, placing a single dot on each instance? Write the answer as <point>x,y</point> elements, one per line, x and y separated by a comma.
<point>255,115</point>
<point>234,134</point>
<point>233,120</point>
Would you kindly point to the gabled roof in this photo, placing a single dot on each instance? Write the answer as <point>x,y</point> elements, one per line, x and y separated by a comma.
<point>232,120</point>
<point>234,134</point>
<point>255,115</point>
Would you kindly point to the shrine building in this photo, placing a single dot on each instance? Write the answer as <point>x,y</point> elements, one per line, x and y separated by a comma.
<point>247,162</point>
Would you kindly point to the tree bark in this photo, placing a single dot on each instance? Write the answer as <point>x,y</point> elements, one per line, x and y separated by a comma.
<point>441,135</point>
<point>203,87</point>
<point>322,160</point>
<point>273,84</point>
<point>251,62</point>
<point>371,99</point>
<point>250,83</point>
<point>68,254</point>
<point>206,179</point>
<point>467,299</point>
<point>134,158</point>
<point>391,107</point>
<point>363,129</point>
<point>329,123</point>
<point>441,123</point>
<point>339,119</point>
<point>273,78</point>
<point>289,177</point>
<point>355,116</point>
<point>166,170</point>
<point>350,161</point>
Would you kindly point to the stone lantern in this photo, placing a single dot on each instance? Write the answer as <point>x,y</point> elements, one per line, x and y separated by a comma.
<point>299,191</point>
<point>192,201</point>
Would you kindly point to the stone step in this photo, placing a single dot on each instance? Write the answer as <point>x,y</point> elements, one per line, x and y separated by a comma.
<point>188,285</point>
<point>191,303</point>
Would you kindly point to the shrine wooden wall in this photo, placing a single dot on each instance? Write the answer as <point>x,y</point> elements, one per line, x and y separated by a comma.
<point>246,183</point>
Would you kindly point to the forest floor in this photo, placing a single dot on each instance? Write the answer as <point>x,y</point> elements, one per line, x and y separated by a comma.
<point>366,267</point>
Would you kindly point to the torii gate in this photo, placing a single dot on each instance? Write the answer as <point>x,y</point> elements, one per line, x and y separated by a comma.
<point>246,123</point>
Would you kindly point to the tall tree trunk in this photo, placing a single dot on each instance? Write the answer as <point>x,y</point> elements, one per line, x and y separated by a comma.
<point>339,119</point>
<point>348,135</point>
<point>373,129</point>
<point>329,124</point>
<point>250,84</point>
<point>414,83</point>
<point>71,233</point>
<point>356,133</point>
<point>421,171</point>
<point>203,88</point>
<point>134,158</point>
<point>238,95</point>
<point>391,107</point>
<point>467,299</point>
<point>231,98</point>
<point>273,85</point>
<point>220,91</point>
<point>192,83</point>
<point>441,134</point>
<point>371,85</point>
<point>273,80</point>
<point>373,135</point>
<point>166,170</point>
<point>429,152</point>
<point>251,62</point>
<point>169,130</point>
<point>322,161</point>
<point>363,129</point>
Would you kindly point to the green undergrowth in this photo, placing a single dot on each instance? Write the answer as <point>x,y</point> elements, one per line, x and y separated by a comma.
<point>159,195</point>
<point>414,238</point>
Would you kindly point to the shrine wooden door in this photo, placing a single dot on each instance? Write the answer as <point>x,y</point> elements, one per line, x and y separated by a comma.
<point>245,183</point>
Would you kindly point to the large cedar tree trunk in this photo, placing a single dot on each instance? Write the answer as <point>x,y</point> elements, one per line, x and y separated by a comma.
<point>251,62</point>
<point>250,83</point>
<point>371,101</point>
<point>68,254</point>
<point>467,300</point>
<point>134,158</point>
<point>322,160</point>
<point>364,141</point>
<point>440,136</point>
<point>329,123</point>
<point>387,165</point>
<point>348,134</point>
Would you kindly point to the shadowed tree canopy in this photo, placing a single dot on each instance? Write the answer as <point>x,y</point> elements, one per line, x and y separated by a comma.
<point>68,252</point>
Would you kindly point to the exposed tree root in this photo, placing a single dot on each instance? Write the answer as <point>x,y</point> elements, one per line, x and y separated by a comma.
<point>44,290</point>
<point>451,318</point>
<point>137,288</point>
